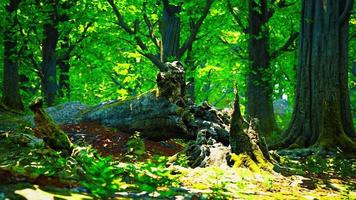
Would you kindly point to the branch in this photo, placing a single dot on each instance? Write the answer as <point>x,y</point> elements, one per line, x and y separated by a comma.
<point>152,36</point>
<point>281,4</point>
<point>121,22</point>
<point>31,56</point>
<point>236,17</point>
<point>193,34</point>
<point>120,18</point>
<point>223,96</point>
<point>346,13</point>
<point>285,47</point>
<point>72,46</point>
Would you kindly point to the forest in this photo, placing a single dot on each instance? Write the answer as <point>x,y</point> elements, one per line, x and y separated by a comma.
<point>177,99</point>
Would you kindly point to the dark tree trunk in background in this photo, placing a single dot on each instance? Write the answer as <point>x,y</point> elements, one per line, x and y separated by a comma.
<point>11,95</point>
<point>170,31</point>
<point>49,43</point>
<point>64,66</point>
<point>259,83</point>
<point>64,84</point>
<point>190,87</point>
<point>322,108</point>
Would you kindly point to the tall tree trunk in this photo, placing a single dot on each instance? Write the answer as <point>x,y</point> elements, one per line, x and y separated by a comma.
<point>64,66</point>
<point>322,111</point>
<point>49,43</point>
<point>11,96</point>
<point>190,87</point>
<point>170,31</point>
<point>259,85</point>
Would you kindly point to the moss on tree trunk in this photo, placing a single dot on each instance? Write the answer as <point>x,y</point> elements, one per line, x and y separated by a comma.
<point>47,129</point>
<point>248,149</point>
<point>321,117</point>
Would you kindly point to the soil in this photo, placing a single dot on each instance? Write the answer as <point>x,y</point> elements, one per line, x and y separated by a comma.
<point>112,142</point>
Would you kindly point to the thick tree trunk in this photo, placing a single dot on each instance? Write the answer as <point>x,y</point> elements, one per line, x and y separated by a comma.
<point>259,83</point>
<point>49,43</point>
<point>322,111</point>
<point>170,32</point>
<point>11,95</point>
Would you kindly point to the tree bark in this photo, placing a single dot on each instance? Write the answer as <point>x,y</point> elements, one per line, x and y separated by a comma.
<point>248,149</point>
<point>11,96</point>
<point>64,67</point>
<point>49,59</point>
<point>259,81</point>
<point>170,32</point>
<point>322,116</point>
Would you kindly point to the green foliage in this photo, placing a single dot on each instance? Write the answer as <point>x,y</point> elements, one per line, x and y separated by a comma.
<point>98,174</point>
<point>219,191</point>
<point>151,175</point>
<point>135,146</point>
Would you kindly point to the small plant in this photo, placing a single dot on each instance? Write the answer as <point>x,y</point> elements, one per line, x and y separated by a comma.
<point>151,175</point>
<point>98,174</point>
<point>135,146</point>
<point>219,191</point>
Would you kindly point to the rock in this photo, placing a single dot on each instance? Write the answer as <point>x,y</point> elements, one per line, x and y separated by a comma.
<point>66,113</point>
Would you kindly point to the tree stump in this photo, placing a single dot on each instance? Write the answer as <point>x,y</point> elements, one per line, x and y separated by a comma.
<point>48,130</point>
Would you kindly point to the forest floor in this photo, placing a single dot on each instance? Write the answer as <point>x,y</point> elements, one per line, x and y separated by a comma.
<point>310,178</point>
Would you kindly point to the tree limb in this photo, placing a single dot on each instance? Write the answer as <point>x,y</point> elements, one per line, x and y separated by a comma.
<point>120,18</point>
<point>285,46</point>
<point>133,32</point>
<point>72,46</point>
<point>150,26</point>
<point>193,34</point>
<point>281,4</point>
<point>346,12</point>
<point>236,17</point>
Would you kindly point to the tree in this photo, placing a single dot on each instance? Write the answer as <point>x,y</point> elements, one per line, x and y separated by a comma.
<point>169,29</point>
<point>322,116</point>
<point>259,77</point>
<point>49,57</point>
<point>11,96</point>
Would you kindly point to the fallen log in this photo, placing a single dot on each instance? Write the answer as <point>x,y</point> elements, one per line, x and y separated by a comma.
<point>162,114</point>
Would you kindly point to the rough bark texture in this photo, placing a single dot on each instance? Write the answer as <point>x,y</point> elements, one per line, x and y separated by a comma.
<point>49,43</point>
<point>259,83</point>
<point>11,96</point>
<point>170,31</point>
<point>322,111</point>
<point>249,150</point>
<point>47,129</point>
